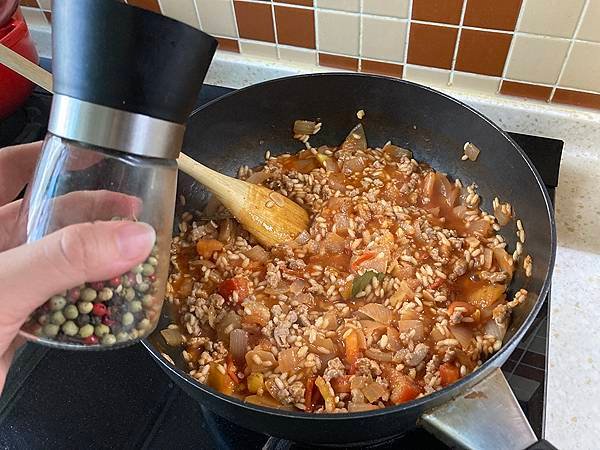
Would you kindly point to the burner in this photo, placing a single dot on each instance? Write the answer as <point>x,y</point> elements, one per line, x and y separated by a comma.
<point>134,404</point>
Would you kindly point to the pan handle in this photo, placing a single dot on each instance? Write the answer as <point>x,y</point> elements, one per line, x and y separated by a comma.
<point>487,416</point>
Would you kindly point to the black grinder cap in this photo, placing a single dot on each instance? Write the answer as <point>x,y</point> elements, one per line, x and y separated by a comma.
<point>108,53</point>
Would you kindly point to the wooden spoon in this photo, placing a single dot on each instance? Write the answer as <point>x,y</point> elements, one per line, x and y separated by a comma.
<point>269,216</point>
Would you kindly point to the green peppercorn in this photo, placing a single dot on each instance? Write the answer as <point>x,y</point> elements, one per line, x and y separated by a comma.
<point>71,312</point>
<point>122,336</point>
<point>135,306</point>
<point>101,329</point>
<point>86,331</point>
<point>105,294</point>
<point>134,334</point>
<point>153,260</point>
<point>69,328</point>
<point>147,300</point>
<point>85,307</point>
<point>144,324</point>
<point>147,269</point>
<point>57,302</point>
<point>43,319</point>
<point>109,339</point>
<point>57,318</point>
<point>129,294</point>
<point>50,329</point>
<point>154,250</point>
<point>125,281</point>
<point>127,319</point>
<point>88,295</point>
<point>138,269</point>
<point>143,287</point>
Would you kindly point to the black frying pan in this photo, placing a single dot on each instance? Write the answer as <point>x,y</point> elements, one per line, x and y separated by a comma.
<point>238,128</point>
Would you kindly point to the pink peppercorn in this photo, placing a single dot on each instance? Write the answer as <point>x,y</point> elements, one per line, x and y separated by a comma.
<point>115,282</point>
<point>91,340</point>
<point>97,285</point>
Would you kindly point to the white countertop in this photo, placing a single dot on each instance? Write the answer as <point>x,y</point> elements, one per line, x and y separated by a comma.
<point>573,395</point>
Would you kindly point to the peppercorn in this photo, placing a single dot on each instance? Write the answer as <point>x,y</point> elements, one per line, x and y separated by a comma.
<point>90,340</point>
<point>99,309</point>
<point>69,328</point>
<point>115,282</point>
<point>82,319</point>
<point>147,269</point>
<point>152,260</point>
<point>74,294</point>
<point>144,324</point>
<point>135,306</point>
<point>143,287</point>
<point>127,319</point>
<point>71,312</point>
<point>43,319</point>
<point>138,269</point>
<point>97,285</point>
<point>105,294</point>
<point>109,339</point>
<point>129,294</point>
<point>50,329</point>
<point>86,330</point>
<point>85,307</point>
<point>147,300</point>
<point>88,295</point>
<point>57,318</point>
<point>134,334</point>
<point>57,302</point>
<point>101,329</point>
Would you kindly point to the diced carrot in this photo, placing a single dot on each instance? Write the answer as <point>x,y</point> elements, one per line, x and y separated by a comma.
<point>308,393</point>
<point>403,387</point>
<point>353,352</point>
<point>231,370</point>
<point>206,247</point>
<point>448,373</point>
<point>231,285</point>
<point>341,384</point>
<point>219,381</point>
<point>354,265</point>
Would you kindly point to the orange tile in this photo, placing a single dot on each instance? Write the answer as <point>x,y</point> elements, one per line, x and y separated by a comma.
<point>48,15</point>
<point>30,3</point>
<point>431,45</point>
<point>151,5</point>
<point>254,21</point>
<point>381,68</point>
<point>577,98</point>
<point>497,15</point>
<point>229,45</point>
<point>295,26</point>
<point>482,52</point>
<point>339,62</point>
<point>298,2</point>
<point>534,91</point>
<point>444,11</point>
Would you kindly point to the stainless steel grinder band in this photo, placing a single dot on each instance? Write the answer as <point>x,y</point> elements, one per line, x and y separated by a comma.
<point>115,129</point>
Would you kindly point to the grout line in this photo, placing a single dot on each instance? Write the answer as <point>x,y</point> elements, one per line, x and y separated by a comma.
<point>317,43</point>
<point>569,50</point>
<point>512,44</point>
<point>407,37</point>
<point>160,7</point>
<point>275,31</point>
<point>197,14</point>
<point>550,85</point>
<point>237,31</point>
<point>457,44</point>
<point>360,35</point>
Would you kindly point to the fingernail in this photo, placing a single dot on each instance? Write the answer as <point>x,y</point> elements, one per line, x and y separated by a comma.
<point>135,239</point>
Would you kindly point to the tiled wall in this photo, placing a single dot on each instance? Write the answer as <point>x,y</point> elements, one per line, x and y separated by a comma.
<point>546,50</point>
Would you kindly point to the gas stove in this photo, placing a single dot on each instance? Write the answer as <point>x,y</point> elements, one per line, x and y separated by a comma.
<point>54,399</point>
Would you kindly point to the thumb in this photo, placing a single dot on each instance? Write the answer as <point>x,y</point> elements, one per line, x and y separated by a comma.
<point>32,273</point>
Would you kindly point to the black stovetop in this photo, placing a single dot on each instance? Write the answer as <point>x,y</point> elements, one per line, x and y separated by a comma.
<point>57,399</point>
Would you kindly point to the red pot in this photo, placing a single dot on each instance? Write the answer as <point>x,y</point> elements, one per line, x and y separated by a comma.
<point>14,89</point>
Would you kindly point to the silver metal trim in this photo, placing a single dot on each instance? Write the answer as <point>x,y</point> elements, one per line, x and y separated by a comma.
<point>487,416</point>
<point>114,129</point>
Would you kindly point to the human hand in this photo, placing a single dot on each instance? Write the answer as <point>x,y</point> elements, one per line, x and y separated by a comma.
<point>32,273</point>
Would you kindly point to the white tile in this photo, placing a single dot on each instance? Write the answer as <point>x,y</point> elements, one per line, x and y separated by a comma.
<point>34,17</point>
<point>342,5</point>
<point>383,38</point>
<point>45,4</point>
<point>550,17</point>
<point>391,8</point>
<point>217,17</point>
<point>426,75</point>
<point>299,55</point>
<point>338,32</point>
<point>473,82</point>
<point>258,49</point>
<point>583,67</point>
<point>536,59</point>
<point>182,10</point>
<point>590,26</point>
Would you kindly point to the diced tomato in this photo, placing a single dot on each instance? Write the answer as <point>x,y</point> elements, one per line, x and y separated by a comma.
<point>354,265</point>
<point>231,285</point>
<point>405,389</point>
<point>219,381</point>
<point>341,384</point>
<point>352,349</point>
<point>206,247</point>
<point>231,370</point>
<point>449,373</point>
<point>437,283</point>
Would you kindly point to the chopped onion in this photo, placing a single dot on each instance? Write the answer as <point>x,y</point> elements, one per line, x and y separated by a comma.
<point>501,216</point>
<point>405,326</point>
<point>353,165</point>
<point>463,334</point>
<point>259,313</point>
<point>428,183</point>
<point>498,331</point>
<point>487,255</point>
<point>374,391</point>
<point>377,312</point>
<point>403,293</point>
<point>359,407</point>
<point>460,211</point>
<point>297,286</point>
<point>378,355</point>
<point>331,165</point>
<point>323,346</point>
<point>302,238</point>
<point>268,361</point>
<point>504,261</point>
<point>203,262</point>
<point>305,127</point>
<point>258,254</point>
<point>356,139</point>
<point>227,324</point>
<point>342,222</point>
<point>265,401</point>
<point>258,177</point>
<point>471,151</point>
<point>359,382</point>
<point>369,326</point>
<point>287,360</point>
<point>172,337</point>
<point>225,231</point>
<point>281,288</point>
<point>397,152</point>
<point>394,343</point>
<point>333,243</point>
<point>238,344</point>
<point>303,297</point>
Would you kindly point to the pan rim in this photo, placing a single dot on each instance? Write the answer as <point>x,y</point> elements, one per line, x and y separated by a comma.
<point>437,397</point>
